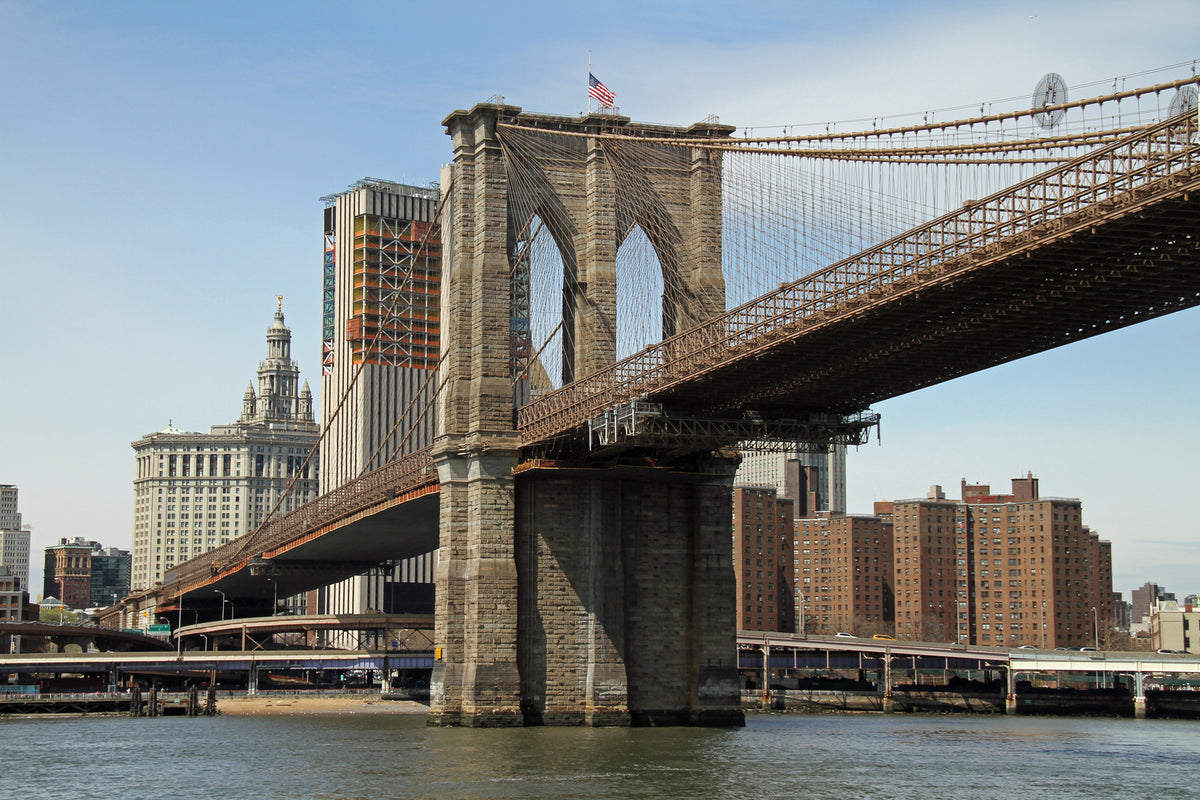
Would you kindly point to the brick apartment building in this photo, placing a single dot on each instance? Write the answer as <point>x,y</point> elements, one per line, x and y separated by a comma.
<point>1007,570</point>
<point>991,569</point>
<point>843,571</point>
<point>762,548</point>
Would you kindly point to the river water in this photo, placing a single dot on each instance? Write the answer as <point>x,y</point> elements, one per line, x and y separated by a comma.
<point>925,757</point>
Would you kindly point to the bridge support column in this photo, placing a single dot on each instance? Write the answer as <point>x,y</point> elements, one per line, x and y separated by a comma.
<point>476,682</point>
<point>1139,696</point>
<point>889,702</point>
<point>1010,695</point>
<point>627,597</point>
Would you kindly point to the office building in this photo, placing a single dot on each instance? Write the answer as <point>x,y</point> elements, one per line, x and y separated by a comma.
<point>85,574</point>
<point>14,553</point>
<point>68,573</point>
<point>1143,600</point>
<point>111,575</point>
<point>380,353</point>
<point>815,481</point>
<point>10,518</point>
<point>196,491</point>
<point>14,539</point>
<point>1121,613</point>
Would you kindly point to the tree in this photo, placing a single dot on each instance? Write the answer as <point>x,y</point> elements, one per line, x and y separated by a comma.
<point>50,614</point>
<point>1113,639</point>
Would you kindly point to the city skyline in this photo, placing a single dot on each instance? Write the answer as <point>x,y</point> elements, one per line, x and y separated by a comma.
<point>168,165</point>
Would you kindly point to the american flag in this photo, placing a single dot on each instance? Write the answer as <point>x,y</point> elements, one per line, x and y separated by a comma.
<point>599,91</point>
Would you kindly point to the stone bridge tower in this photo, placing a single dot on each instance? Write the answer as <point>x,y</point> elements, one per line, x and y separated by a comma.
<point>587,595</point>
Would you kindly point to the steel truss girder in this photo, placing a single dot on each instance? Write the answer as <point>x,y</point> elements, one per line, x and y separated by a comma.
<point>646,426</point>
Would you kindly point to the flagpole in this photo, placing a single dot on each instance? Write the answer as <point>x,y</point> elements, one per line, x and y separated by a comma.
<point>589,110</point>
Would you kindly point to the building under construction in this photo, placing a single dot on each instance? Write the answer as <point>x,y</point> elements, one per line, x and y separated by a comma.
<point>380,351</point>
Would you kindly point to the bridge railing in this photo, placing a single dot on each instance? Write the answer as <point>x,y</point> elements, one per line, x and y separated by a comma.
<point>1109,180</point>
<point>397,478</point>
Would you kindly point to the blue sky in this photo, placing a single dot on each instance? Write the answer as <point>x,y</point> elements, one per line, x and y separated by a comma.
<point>161,164</point>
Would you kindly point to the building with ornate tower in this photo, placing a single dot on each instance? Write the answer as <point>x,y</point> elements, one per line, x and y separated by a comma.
<point>196,491</point>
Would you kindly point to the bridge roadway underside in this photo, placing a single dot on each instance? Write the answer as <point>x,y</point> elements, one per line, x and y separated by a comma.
<point>1079,277</point>
<point>329,554</point>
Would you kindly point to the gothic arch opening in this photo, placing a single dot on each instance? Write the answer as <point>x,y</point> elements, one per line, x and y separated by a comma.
<point>640,295</point>
<point>541,342</point>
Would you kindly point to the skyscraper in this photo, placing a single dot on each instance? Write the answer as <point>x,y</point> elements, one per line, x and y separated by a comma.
<point>380,353</point>
<point>822,475</point>
<point>10,519</point>
<point>196,491</point>
<point>14,541</point>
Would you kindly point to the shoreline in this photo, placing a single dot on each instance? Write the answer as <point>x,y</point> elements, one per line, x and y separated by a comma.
<point>260,706</point>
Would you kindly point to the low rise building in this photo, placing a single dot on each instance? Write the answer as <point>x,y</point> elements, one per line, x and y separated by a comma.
<point>85,574</point>
<point>13,597</point>
<point>1175,627</point>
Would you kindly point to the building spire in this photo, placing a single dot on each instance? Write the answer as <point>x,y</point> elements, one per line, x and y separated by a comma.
<point>278,374</point>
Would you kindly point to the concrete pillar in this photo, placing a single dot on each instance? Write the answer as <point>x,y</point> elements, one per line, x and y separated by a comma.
<point>252,679</point>
<point>1139,696</point>
<point>1010,696</point>
<point>888,702</point>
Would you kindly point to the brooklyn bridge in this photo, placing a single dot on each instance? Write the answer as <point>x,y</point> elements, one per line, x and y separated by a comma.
<point>624,305</point>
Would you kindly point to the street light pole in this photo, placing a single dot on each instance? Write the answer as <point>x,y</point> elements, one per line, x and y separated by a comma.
<point>801,612</point>
<point>1096,627</point>
<point>958,619</point>
<point>218,591</point>
<point>179,628</point>
<point>1043,624</point>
